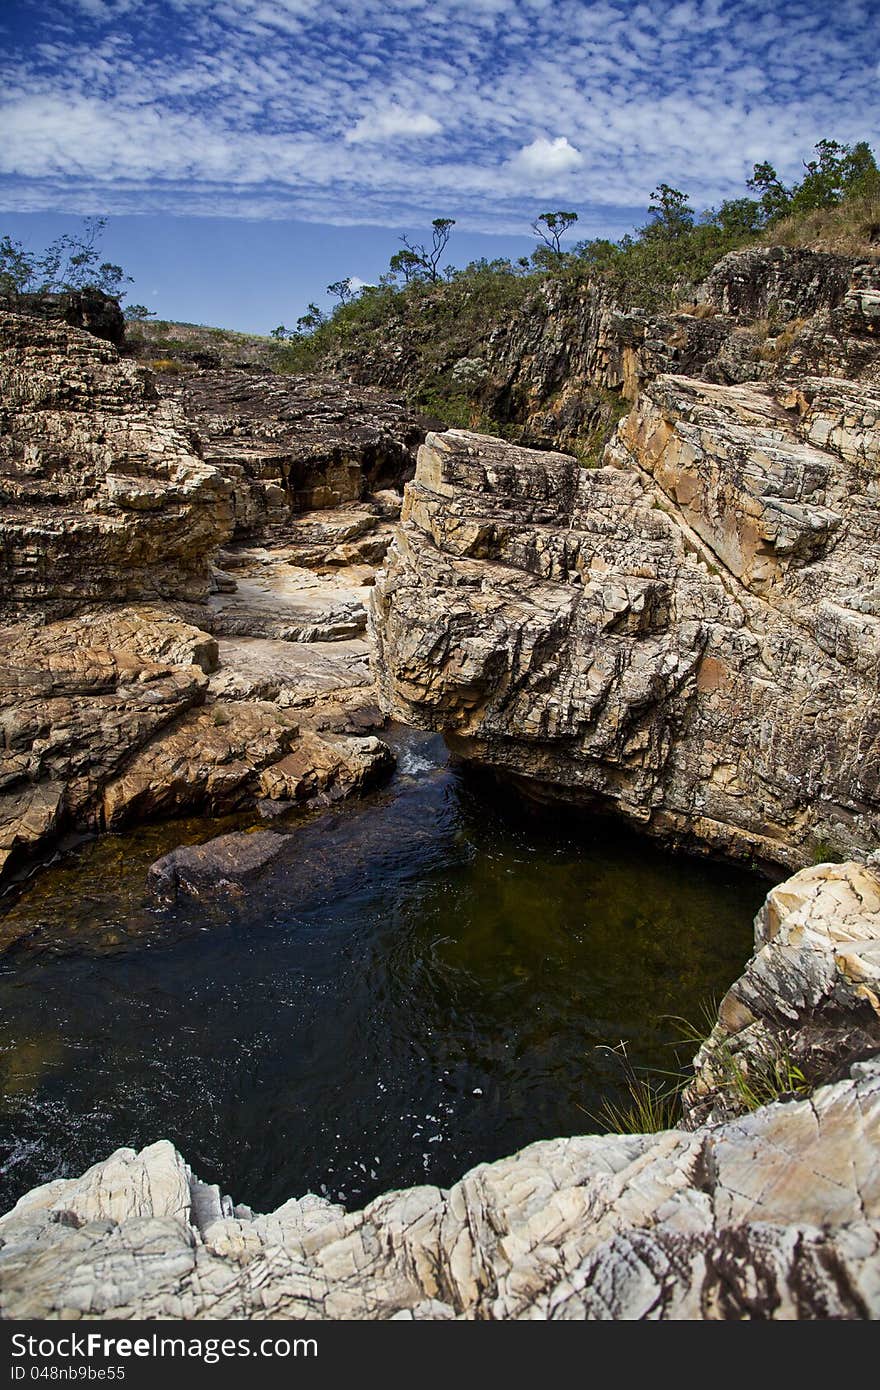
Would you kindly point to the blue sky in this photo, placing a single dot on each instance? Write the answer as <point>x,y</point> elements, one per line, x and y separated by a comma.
<point>249,151</point>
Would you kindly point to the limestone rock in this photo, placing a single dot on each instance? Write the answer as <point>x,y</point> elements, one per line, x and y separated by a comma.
<point>104,496</point>
<point>685,635</point>
<point>775,1215</point>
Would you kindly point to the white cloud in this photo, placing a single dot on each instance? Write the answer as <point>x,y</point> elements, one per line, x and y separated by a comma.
<point>297,108</point>
<point>390,123</point>
<point>545,157</point>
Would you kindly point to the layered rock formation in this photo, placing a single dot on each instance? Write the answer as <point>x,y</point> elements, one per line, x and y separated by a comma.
<point>138,678</point>
<point>104,497</point>
<point>688,635</point>
<point>91,309</point>
<point>296,442</point>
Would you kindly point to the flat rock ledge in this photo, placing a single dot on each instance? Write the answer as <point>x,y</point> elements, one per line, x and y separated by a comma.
<point>773,1213</point>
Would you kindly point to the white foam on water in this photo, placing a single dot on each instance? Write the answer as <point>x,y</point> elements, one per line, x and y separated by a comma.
<point>412,763</point>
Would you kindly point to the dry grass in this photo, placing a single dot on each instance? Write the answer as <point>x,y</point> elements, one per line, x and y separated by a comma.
<point>166,365</point>
<point>775,348</point>
<point>699,311</point>
<point>850,229</point>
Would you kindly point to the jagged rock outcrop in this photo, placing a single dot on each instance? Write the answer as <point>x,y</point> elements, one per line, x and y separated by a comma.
<point>776,282</point>
<point>104,498</point>
<point>139,679</point>
<point>808,1002</point>
<point>776,1215</point>
<point>688,635</point>
<point>289,443</point>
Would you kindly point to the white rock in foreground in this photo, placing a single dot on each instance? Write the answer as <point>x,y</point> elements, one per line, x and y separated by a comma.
<point>775,1215</point>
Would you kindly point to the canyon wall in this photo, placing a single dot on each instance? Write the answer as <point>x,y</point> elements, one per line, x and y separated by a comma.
<point>687,635</point>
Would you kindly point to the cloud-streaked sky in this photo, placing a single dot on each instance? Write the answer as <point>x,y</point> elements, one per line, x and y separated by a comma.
<point>387,113</point>
<point>381,111</point>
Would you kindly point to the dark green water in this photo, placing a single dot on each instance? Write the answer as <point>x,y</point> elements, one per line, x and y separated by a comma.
<point>427,979</point>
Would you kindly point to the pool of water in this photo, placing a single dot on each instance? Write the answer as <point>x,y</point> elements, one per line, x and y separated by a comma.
<point>426,979</point>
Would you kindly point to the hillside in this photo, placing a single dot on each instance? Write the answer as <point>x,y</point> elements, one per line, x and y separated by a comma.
<point>169,347</point>
<point>541,352</point>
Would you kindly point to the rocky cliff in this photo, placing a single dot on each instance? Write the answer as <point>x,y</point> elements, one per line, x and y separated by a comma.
<point>774,1214</point>
<point>139,679</point>
<point>557,369</point>
<point>688,635</point>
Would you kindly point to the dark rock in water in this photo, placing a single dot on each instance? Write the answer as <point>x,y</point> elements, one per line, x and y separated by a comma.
<point>272,810</point>
<point>224,863</point>
<point>99,314</point>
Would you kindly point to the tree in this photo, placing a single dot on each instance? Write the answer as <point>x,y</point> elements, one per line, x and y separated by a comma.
<point>671,212</point>
<point>418,261</point>
<point>68,263</point>
<point>737,218</point>
<point>551,227</point>
<point>775,197</point>
<point>138,313</point>
<point>837,171</point>
<point>407,264</point>
<point>341,289</point>
<point>310,320</point>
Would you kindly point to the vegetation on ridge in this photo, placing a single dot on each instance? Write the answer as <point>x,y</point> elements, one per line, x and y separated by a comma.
<point>438,323</point>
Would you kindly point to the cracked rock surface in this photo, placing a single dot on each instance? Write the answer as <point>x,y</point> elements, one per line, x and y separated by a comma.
<point>688,635</point>
<point>776,1215</point>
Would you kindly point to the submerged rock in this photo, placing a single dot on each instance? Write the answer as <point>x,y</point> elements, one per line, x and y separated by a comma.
<point>223,864</point>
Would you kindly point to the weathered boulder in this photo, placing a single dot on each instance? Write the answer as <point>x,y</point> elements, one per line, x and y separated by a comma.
<point>775,1215</point>
<point>104,498</point>
<point>225,864</point>
<point>685,636</point>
